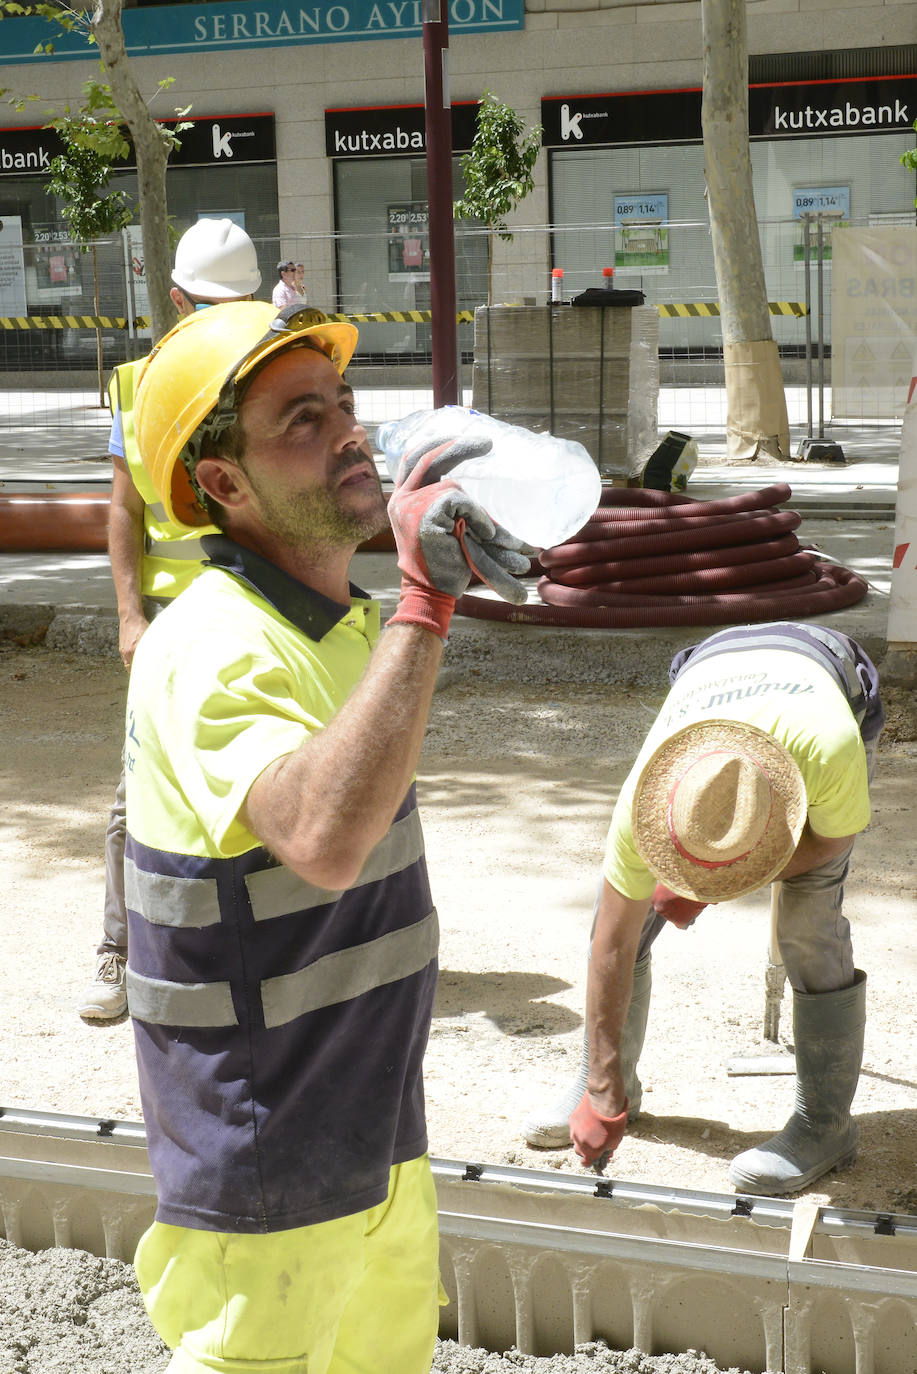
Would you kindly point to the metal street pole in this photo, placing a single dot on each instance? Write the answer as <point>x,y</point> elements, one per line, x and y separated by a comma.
<point>807,250</point>
<point>814,448</point>
<point>438,122</point>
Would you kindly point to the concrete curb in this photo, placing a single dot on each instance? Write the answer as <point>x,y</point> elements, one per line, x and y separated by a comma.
<point>73,629</point>
<point>485,650</point>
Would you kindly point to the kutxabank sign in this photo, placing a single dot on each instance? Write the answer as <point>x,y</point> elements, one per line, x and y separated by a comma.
<point>207,141</point>
<point>260,24</point>
<point>792,109</point>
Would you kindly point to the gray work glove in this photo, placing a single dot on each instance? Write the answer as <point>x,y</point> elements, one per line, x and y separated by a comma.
<point>443,536</point>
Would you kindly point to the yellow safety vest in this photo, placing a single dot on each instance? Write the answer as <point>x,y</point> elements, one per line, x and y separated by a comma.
<point>171,555</point>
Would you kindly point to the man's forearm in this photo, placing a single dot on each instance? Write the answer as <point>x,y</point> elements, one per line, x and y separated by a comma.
<point>126,565</point>
<point>619,921</point>
<point>125,551</point>
<point>324,808</point>
<point>125,542</point>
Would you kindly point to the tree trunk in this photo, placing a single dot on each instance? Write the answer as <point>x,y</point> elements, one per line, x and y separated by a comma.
<point>152,152</point>
<point>755,400</point>
<point>490,265</point>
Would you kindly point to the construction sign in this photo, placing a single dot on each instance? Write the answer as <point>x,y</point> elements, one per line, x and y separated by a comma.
<point>873,320</point>
<point>12,267</point>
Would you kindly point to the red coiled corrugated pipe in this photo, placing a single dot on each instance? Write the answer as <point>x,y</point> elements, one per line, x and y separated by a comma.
<point>650,558</point>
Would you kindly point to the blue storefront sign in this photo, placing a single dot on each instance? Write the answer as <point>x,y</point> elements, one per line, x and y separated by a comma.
<point>250,24</point>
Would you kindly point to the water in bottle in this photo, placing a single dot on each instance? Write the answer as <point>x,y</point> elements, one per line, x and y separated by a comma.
<point>539,487</point>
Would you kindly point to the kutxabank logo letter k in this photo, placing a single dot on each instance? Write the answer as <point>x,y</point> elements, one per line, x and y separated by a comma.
<point>221,144</point>
<point>569,125</point>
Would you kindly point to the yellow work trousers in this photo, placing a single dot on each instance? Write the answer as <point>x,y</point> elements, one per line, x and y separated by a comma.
<point>359,1295</point>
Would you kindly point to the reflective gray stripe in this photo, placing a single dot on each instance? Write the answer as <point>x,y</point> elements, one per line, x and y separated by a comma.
<point>191,549</point>
<point>171,901</point>
<point>348,973</point>
<point>279,892</point>
<point>157,510</point>
<point>179,1004</point>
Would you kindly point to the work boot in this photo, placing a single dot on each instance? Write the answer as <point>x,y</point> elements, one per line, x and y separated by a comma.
<point>106,997</point>
<point>820,1135</point>
<point>549,1129</point>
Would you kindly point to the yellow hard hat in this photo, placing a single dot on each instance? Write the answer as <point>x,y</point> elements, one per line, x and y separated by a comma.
<point>189,388</point>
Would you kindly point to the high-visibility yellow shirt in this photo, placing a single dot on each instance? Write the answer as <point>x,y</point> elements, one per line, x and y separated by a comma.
<point>794,699</point>
<point>171,554</point>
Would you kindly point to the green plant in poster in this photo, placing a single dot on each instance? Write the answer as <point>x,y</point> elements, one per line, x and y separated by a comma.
<point>908,159</point>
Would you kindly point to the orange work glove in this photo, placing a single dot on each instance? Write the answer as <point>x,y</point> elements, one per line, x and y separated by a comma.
<point>595,1138</point>
<point>681,911</point>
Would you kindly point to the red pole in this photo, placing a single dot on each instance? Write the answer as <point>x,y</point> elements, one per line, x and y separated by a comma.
<point>438,119</point>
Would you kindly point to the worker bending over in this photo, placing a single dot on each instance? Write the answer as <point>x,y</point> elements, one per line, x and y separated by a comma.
<point>756,769</point>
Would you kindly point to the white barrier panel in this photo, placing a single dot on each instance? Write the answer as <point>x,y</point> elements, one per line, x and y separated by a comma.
<point>902,606</point>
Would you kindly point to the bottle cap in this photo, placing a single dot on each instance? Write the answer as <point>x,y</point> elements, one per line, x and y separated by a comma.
<point>557,271</point>
<point>608,272</point>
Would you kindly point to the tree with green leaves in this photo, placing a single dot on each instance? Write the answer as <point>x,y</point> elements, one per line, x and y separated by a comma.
<point>497,171</point>
<point>110,107</point>
<point>79,175</point>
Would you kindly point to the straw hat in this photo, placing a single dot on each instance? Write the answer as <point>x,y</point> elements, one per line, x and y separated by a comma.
<point>718,810</point>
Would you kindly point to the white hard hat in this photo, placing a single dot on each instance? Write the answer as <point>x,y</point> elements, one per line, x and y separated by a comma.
<point>215,257</point>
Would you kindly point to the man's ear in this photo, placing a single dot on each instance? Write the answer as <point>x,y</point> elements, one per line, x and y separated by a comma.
<point>223,481</point>
<point>180,301</point>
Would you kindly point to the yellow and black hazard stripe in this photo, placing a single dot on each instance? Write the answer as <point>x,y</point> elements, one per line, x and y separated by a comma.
<point>700,309</point>
<point>401,317</point>
<point>65,322</point>
<point>142,322</point>
<point>670,310</point>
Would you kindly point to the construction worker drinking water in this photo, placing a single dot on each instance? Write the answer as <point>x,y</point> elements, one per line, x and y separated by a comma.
<point>282,951</point>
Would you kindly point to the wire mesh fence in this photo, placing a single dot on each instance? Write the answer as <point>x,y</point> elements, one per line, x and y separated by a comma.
<point>82,305</point>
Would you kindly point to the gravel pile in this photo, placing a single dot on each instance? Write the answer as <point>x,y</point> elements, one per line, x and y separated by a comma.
<point>68,1312</point>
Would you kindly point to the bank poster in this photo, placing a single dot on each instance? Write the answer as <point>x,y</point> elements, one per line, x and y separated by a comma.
<point>12,267</point>
<point>57,264</point>
<point>641,233</point>
<point>135,280</point>
<point>832,203</point>
<point>409,241</point>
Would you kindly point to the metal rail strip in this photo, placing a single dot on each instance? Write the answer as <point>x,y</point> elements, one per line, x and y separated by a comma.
<point>543,1261</point>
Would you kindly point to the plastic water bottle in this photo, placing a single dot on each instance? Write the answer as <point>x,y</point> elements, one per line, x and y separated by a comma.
<point>540,488</point>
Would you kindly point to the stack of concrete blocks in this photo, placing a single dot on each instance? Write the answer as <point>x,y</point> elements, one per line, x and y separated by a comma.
<point>585,373</point>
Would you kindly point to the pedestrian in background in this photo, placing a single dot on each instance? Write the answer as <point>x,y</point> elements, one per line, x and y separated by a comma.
<point>284,292</point>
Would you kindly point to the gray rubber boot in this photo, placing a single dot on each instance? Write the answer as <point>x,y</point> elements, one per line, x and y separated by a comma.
<point>820,1135</point>
<point>549,1129</point>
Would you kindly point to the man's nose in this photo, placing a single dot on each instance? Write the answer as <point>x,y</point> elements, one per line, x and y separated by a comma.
<point>352,433</point>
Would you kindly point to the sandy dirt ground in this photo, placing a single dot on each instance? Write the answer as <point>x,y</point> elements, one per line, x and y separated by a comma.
<point>516,786</point>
